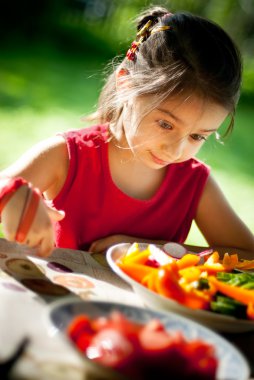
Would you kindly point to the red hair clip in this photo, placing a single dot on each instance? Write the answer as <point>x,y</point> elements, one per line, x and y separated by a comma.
<point>141,35</point>
<point>144,33</point>
<point>131,53</point>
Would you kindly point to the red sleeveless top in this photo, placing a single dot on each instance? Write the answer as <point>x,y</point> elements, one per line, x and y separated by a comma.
<point>95,207</point>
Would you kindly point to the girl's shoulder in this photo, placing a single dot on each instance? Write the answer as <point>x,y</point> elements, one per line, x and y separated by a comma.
<point>90,137</point>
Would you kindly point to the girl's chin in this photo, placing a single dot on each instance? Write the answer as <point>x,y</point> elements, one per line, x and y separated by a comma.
<point>161,165</point>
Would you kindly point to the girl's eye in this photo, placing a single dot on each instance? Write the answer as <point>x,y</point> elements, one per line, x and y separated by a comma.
<point>197,137</point>
<point>163,124</point>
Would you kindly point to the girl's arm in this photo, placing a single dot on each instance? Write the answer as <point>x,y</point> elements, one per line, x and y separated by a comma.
<point>45,166</point>
<point>220,225</point>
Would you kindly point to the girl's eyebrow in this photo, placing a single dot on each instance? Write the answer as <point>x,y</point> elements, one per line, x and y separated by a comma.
<point>209,130</point>
<point>169,113</point>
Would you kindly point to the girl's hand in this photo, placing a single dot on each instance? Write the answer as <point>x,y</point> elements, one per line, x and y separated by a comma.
<point>101,245</point>
<point>40,235</point>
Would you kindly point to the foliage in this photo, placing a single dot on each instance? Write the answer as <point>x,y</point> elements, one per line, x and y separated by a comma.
<point>106,26</point>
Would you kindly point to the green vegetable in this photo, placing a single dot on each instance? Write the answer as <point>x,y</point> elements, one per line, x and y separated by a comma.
<point>201,284</point>
<point>236,279</point>
<point>228,306</point>
<point>248,285</point>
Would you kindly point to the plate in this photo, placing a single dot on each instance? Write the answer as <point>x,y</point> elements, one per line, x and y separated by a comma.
<point>232,364</point>
<point>153,300</point>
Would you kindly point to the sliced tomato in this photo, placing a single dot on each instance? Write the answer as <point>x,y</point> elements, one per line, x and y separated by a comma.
<point>100,323</point>
<point>79,325</point>
<point>111,348</point>
<point>156,343</point>
<point>203,362</point>
<point>83,341</point>
<point>151,262</point>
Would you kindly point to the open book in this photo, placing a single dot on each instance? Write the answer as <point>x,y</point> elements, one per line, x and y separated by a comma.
<point>66,271</point>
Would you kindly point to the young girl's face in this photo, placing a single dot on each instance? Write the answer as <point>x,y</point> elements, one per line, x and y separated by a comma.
<point>173,132</point>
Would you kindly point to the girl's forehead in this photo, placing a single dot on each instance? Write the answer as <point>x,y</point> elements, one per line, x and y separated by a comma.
<point>182,103</point>
<point>182,109</point>
<point>178,104</point>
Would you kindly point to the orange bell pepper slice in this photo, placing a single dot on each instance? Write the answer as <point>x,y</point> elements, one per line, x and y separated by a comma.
<point>190,274</point>
<point>213,258</point>
<point>245,264</point>
<point>167,285</point>
<point>212,268</point>
<point>132,251</point>
<point>229,261</point>
<point>150,281</point>
<point>136,271</point>
<point>137,257</point>
<point>197,300</point>
<point>245,296</point>
<point>188,260</point>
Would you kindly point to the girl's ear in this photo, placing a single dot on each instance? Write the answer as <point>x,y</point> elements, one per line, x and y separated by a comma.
<point>122,79</point>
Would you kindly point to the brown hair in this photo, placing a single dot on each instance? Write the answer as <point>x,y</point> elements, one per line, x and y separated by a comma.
<point>194,56</point>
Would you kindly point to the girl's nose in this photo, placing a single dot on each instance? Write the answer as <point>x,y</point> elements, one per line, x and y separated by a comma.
<point>174,148</point>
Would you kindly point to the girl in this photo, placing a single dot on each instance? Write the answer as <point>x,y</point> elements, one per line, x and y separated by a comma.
<point>134,176</point>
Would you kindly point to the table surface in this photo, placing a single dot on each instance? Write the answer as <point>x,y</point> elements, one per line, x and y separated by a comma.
<point>24,313</point>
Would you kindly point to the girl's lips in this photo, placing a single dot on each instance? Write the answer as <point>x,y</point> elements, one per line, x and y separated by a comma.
<point>158,160</point>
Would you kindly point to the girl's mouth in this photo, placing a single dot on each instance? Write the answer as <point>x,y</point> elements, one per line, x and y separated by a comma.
<point>158,161</point>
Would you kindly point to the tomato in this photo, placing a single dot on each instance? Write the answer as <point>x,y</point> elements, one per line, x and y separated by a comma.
<point>100,323</point>
<point>83,341</point>
<point>158,341</point>
<point>204,362</point>
<point>143,352</point>
<point>110,346</point>
<point>80,332</point>
<point>119,322</point>
<point>78,325</point>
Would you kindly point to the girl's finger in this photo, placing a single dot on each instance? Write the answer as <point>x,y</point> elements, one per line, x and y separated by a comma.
<point>28,215</point>
<point>98,246</point>
<point>102,244</point>
<point>55,214</point>
<point>12,213</point>
<point>45,247</point>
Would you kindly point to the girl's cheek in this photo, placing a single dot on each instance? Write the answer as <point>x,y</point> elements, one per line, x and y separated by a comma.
<point>189,152</point>
<point>194,151</point>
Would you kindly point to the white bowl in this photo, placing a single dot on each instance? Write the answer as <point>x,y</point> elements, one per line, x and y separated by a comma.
<point>153,300</point>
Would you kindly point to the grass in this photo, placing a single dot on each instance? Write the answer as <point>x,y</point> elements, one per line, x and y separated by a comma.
<point>44,91</point>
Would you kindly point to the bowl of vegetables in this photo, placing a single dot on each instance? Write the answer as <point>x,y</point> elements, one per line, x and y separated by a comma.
<point>209,290</point>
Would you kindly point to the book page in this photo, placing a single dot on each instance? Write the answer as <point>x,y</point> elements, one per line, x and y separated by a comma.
<point>66,271</point>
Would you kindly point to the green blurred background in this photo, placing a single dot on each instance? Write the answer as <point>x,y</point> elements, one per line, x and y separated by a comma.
<point>53,55</point>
